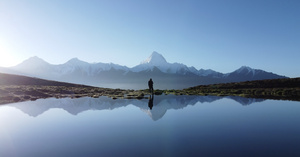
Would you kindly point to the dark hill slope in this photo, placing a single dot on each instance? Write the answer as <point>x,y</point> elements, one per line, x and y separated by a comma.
<point>16,88</point>
<point>271,83</point>
<point>10,79</point>
<point>288,89</point>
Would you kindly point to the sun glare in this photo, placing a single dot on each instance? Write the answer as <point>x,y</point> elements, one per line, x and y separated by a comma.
<point>6,59</point>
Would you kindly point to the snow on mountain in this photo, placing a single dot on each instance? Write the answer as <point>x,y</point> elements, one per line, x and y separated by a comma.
<point>246,73</point>
<point>32,63</point>
<point>155,59</point>
<point>176,75</point>
<point>193,69</point>
<point>75,62</point>
<point>209,72</point>
<point>109,66</point>
<point>158,61</point>
<point>72,65</point>
<point>245,70</point>
<point>90,69</point>
<point>35,67</point>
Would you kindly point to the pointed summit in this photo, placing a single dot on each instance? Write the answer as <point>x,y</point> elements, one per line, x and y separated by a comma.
<point>35,59</point>
<point>33,62</point>
<point>76,61</point>
<point>245,69</point>
<point>155,59</point>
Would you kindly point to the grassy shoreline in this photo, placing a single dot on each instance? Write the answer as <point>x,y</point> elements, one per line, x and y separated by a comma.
<point>19,93</point>
<point>279,89</point>
<point>16,88</point>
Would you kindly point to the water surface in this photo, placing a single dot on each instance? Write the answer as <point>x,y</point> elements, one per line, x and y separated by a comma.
<point>174,126</point>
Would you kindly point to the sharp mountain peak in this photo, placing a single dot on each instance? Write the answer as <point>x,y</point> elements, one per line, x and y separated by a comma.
<point>155,58</point>
<point>75,61</point>
<point>32,61</point>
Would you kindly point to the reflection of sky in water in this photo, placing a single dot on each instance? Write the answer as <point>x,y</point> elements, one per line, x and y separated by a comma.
<point>177,126</point>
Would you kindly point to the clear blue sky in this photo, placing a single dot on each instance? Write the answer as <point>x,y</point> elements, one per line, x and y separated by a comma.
<point>212,34</point>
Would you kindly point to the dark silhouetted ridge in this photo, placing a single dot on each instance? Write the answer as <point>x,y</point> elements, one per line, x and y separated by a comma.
<point>10,79</point>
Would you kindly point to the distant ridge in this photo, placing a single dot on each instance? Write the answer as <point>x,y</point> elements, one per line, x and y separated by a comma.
<point>165,75</point>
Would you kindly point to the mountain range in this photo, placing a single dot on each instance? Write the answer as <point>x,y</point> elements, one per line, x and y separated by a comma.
<point>165,75</point>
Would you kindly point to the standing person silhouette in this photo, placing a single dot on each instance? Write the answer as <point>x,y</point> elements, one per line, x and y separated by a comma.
<point>150,84</point>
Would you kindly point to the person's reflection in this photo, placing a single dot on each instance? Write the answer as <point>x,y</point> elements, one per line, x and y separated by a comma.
<point>150,103</point>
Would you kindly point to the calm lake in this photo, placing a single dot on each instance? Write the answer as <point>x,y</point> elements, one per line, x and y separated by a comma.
<point>175,126</point>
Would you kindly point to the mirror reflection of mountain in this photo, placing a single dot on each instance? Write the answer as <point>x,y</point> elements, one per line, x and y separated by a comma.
<point>156,110</point>
<point>245,101</point>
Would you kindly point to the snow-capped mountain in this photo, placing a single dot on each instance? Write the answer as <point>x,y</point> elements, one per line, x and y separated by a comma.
<point>158,61</point>
<point>246,73</point>
<point>165,74</point>
<point>90,69</point>
<point>36,66</point>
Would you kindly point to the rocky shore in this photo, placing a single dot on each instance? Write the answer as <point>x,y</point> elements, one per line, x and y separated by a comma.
<point>18,93</point>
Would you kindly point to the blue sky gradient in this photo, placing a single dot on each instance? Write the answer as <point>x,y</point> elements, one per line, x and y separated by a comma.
<point>210,34</point>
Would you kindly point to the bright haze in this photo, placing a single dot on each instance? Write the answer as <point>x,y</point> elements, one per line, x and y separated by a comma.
<point>209,34</point>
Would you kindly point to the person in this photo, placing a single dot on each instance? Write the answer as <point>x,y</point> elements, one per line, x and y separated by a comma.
<point>150,84</point>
